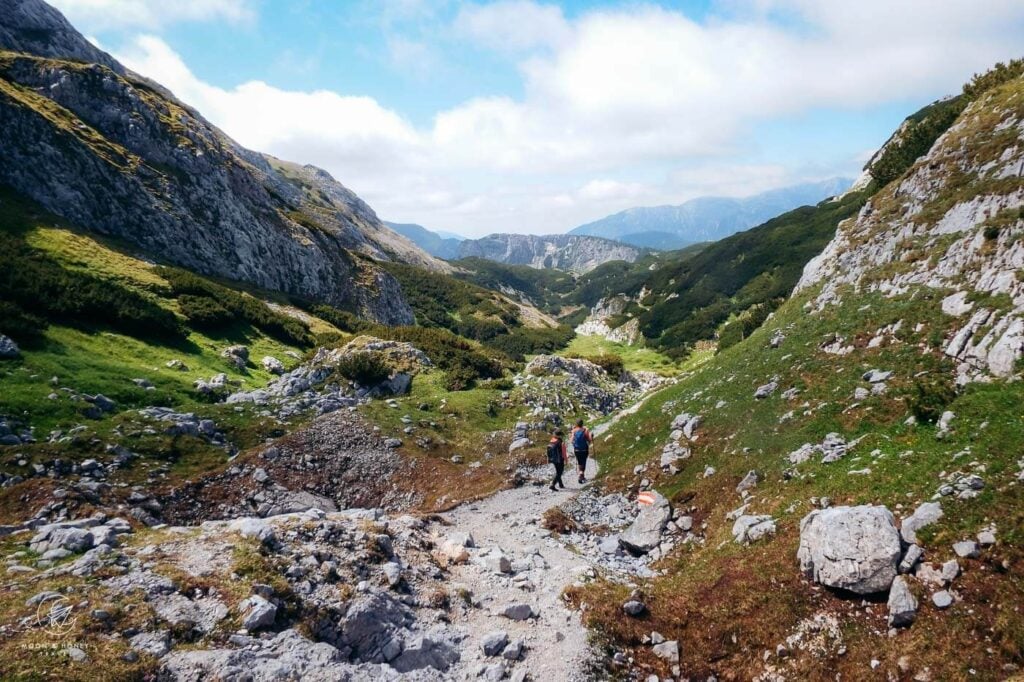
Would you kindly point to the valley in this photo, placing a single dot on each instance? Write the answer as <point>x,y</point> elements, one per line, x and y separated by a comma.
<point>250,431</point>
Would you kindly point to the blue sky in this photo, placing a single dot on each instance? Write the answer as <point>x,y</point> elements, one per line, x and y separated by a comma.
<point>526,116</point>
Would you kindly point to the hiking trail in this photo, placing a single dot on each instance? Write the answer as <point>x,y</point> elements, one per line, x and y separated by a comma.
<point>543,567</point>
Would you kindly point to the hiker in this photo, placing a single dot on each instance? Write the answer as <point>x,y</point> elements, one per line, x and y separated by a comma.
<point>558,456</point>
<point>581,440</point>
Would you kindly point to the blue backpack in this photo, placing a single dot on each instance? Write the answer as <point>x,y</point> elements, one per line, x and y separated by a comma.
<point>579,440</point>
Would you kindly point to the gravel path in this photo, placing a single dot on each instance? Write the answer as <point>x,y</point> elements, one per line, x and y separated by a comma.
<point>543,568</point>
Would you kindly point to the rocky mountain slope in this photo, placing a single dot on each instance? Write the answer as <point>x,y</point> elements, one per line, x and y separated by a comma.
<point>433,243</point>
<point>950,224</point>
<point>573,253</point>
<point>116,154</point>
<point>850,473</point>
<point>706,218</point>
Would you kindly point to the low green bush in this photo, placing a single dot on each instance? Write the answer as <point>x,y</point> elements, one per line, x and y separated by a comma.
<point>31,280</point>
<point>730,334</point>
<point>342,319</point>
<point>930,398</point>
<point>480,329</point>
<point>609,362</point>
<point>531,341</point>
<point>366,369</point>
<point>191,287</point>
<point>20,325</point>
<point>204,312</point>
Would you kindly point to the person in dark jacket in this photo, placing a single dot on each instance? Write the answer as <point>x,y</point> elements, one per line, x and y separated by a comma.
<point>558,456</point>
<point>582,442</point>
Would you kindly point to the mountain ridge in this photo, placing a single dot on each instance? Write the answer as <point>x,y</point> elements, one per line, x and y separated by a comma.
<point>434,243</point>
<point>706,218</point>
<point>117,154</point>
<point>575,253</point>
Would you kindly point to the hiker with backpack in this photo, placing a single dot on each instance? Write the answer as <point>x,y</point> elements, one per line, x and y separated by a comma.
<point>558,456</point>
<point>582,440</point>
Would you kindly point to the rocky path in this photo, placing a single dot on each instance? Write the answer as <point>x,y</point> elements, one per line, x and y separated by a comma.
<point>539,569</point>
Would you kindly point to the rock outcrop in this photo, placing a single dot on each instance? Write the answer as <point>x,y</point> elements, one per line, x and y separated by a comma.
<point>601,319</point>
<point>952,223</point>
<point>573,253</point>
<point>645,532</point>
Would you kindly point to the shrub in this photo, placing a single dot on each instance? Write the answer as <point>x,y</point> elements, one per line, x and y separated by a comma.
<point>931,397</point>
<point>366,369</point>
<point>240,306</point>
<point>342,319</point>
<point>730,334</point>
<point>204,312</point>
<point>527,341</point>
<point>30,280</point>
<point>609,362</point>
<point>557,521</point>
<point>915,141</point>
<point>460,378</point>
<point>997,75</point>
<point>18,324</point>
<point>461,360</point>
<point>480,329</point>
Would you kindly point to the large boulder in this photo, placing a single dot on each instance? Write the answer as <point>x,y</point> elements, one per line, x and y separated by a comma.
<point>66,538</point>
<point>373,628</point>
<point>850,548</point>
<point>287,656</point>
<point>645,533</point>
<point>426,651</point>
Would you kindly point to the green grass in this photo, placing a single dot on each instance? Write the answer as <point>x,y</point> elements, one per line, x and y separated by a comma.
<point>906,464</point>
<point>460,423</point>
<point>104,362</point>
<point>634,358</point>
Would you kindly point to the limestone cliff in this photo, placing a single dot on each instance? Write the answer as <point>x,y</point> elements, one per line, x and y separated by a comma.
<point>117,154</point>
<point>954,223</point>
<point>573,253</point>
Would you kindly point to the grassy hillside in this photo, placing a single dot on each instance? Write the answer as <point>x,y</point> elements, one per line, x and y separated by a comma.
<point>545,288</point>
<point>728,603</point>
<point>93,317</point>
<point>479,314</point>
<point>746,611</point>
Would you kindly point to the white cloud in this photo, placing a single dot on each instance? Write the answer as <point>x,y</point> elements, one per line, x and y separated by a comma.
<point>151,14</point>
<point>354,137</point>
<point>513,25</point>
<point>619,106</point>
<point>611,190</point>
<point>413,56</point>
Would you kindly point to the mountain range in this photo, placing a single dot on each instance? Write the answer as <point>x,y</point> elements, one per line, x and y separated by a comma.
<point>438,244</point>
<point>572,253</point>
<point>706,218</point>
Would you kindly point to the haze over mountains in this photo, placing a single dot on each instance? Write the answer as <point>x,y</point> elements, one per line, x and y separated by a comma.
<point>663,228</point>
<point>439,244</point>
<point>706,218</point>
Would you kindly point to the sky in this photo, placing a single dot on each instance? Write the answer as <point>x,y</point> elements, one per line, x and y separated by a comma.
<point>536,117</point>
